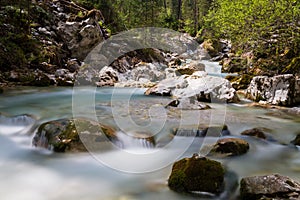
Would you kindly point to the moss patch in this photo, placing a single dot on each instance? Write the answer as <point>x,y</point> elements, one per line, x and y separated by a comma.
<point>197,174</point>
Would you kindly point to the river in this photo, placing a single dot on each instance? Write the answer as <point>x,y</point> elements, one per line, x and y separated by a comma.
<point>30,173</point>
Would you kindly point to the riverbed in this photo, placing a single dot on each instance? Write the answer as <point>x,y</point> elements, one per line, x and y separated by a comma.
<point>136,172</point>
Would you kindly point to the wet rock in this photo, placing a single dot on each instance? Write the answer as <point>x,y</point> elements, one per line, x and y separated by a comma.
<point>137,139</point>
<point>199,85</point>
<point>19,124</point>
<point>64,135</point>
<point>255,132</point>
<point>230,147</point>
<point>278,90</point>
<point>1,90</point>
<point>188,104</point>
<point>296,141</point>
<point>197,174</point>
<point>273,186</point>
<point>202,131</point>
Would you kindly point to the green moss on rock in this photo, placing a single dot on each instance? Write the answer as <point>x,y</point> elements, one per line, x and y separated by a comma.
<point>63,135</point>
<point>230,147</point>
<point>197,174</point>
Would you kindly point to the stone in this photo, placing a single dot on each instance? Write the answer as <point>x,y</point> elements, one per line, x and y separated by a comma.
<point>255,132</point>
<point>107,77</point>
<point>294,111</point>
<point>199,85</point>
<point>81,36</point>
<point>296,141</point>
<point>278,90</point>
<point>64,78</point>
<point>202,131</point>
<point>41,79</point>
<point>185,70</point>
<point>230,147</point>
<point>197,174</point>
<point>1,90</point>
<point>274,186</point>
<point>188,104</point>
<point>64,135</point>
<point>72,65</point>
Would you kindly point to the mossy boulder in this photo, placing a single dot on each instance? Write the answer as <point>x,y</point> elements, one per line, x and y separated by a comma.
<point>255,132</point>
<point>64,135</point>
<point>230,147</point>
<point>197,174</point>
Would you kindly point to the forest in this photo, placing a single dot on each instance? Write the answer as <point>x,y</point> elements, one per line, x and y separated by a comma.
<point>268,29</point>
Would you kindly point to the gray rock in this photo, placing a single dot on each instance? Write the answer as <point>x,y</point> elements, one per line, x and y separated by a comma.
<point>280,90</point>
<point>108,77</point>
<point>198,85</point>
<point>81,37</point>
<point>64,77</point>
<point>273,186</point>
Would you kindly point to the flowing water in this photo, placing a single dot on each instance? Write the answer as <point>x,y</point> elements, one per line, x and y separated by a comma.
<point>30,173</point>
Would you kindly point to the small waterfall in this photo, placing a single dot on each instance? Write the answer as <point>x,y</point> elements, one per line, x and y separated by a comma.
<point>135,141</point>
<point>16,124</point>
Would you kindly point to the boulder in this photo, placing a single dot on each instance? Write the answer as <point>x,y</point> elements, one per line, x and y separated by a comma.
<point>296,141</point>
<point>64,135</point>
<point>230,147</point>
<point>82,35</point>
<point>152,72</point>
<point>255,132</point>
<point>1,90</point>
<point>197,174</point>
<point>274,186</point>
<point>198,85</point>
<point>278,90</point>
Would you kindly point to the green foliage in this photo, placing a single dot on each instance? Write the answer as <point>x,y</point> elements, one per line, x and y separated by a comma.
<point>268,27</point>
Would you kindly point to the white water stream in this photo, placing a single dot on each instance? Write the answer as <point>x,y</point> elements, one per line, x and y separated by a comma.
<point>29,173</point>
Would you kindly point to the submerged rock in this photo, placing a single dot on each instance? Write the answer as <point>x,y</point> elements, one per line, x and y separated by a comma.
<point>63,135</point>
<point>212,131</point>
<point>273,186</point>
<point>197,174</point>
<point>19,124</point>
<point>188,104</point>
<point>230,147</point>
<point>255,132</point>
<point>278,90</point>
